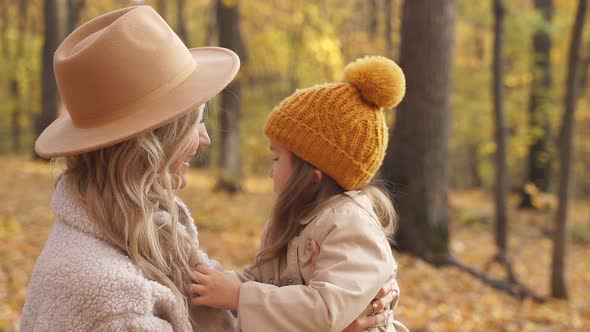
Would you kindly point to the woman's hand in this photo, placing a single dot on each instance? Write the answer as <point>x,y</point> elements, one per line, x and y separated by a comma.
<point>374,314</point>
<point>215,289</point>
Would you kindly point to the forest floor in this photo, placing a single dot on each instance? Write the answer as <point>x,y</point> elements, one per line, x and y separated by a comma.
<point>432,299</point>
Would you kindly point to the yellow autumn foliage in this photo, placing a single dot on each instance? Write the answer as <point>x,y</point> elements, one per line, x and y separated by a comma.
<point>432,299</point>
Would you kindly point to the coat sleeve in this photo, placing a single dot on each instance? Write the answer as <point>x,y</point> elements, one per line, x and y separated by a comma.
<point>250,273</point>
<point>354,262</point>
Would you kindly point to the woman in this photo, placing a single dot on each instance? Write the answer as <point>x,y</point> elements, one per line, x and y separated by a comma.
<point>121,251</point>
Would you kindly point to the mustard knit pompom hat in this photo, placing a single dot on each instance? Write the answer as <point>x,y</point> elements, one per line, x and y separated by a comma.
<point>340,128</point>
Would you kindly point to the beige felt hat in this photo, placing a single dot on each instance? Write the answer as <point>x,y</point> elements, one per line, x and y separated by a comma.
<point>125,73</point>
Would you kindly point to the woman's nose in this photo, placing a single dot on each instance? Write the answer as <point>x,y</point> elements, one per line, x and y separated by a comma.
<point>204,139</point>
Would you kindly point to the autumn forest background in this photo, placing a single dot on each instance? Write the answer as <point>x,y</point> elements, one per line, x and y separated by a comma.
<point>488,162</point>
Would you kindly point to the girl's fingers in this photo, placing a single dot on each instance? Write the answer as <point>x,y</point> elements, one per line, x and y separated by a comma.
<point>198,301</point>
<point>198,293</point>
<point>197,277</point>
<point>204,269</point>
<point>197,290</point>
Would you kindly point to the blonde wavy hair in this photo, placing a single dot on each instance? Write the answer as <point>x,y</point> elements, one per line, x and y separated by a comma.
<point>122,187</point>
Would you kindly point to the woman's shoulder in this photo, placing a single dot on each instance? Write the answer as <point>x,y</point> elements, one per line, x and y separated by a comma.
<point>69,248</point>
<point>78,259</point>
<point>80,280</point>
<point>83,277</point>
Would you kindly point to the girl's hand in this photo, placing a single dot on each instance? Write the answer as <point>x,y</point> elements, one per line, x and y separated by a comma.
<point>215,289</point>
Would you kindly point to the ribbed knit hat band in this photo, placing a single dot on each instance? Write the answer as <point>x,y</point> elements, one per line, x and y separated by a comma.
<point>339,128</point>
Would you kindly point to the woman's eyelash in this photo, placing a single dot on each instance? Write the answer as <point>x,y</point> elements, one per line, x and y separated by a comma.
<point>205,113</point>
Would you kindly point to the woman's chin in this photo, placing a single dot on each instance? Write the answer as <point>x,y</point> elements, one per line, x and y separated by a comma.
<point>182,176</point>
<point>183,182</point>
<point>179,181</point>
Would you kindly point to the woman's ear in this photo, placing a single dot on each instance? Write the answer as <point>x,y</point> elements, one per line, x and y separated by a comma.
<point>317,175</point>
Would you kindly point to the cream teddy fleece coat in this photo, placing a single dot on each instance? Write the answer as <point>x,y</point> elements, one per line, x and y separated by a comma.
<point>81,282</point>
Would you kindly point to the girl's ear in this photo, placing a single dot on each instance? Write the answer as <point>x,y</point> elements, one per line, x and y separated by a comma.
<point>317,175</point>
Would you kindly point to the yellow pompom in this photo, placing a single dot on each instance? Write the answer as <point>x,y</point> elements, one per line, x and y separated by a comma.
<point>380,80</point>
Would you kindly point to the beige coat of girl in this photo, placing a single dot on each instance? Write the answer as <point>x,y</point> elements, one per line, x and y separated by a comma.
<point>355,260</point>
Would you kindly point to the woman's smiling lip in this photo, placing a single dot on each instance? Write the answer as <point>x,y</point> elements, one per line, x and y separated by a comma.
<point>190,157</point>
<point>187,161</point>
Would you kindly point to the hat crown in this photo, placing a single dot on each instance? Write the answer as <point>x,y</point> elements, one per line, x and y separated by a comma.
<point>116,61</point>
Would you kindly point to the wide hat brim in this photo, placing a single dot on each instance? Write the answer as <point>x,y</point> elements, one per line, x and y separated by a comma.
<point>216,68</point>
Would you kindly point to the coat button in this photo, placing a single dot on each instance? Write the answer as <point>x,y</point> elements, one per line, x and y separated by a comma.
<point>291,282</point>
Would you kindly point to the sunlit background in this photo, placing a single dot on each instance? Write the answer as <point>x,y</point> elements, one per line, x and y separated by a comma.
<point>285,45</point>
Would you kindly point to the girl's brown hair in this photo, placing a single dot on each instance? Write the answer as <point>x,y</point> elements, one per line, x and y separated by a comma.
<point>303,196</point>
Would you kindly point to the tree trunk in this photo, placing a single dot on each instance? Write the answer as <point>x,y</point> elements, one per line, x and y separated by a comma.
<point>473,162</point>
<point>373,19</point>
<point>295,41</point>
<point>16,117</point>
<point>585,67</point>
<point>212,30</point>
<point>539,162</point>
<point>162,8</point>
<point>16,92</point>
<point>3,28</point>
<point>75,8</point>
<point>565,148</point>
<point>501,130</point>
<point>389,51</point>
<point>417,155</point>
<point>211,38</point>
<point>228,19</point>
<point>24,23</point>
<point>182,33</point>
<point>50,94</point>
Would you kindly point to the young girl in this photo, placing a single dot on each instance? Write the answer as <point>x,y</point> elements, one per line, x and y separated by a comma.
<point>328,141</point>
